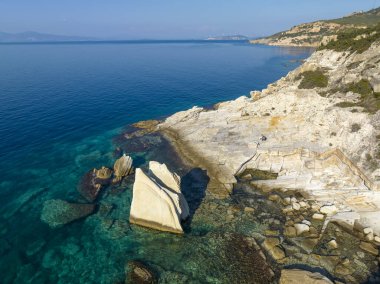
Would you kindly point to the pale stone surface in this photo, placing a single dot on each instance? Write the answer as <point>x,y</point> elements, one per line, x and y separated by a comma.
<point>310,143</point>
<point>297,276</point>
<point>157,199</point>
<point>122,166</point>
<point>318,216</point>
<point>328,209</point>
<point>154,206</point>
<point>161,174</point>
<point>332,244</point>
<point>301,228</point>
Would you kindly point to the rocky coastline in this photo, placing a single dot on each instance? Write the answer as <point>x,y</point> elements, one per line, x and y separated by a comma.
<point>321,150</point>
<point>287,179</point>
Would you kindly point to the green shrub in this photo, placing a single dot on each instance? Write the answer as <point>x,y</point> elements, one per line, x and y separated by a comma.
<point>363,87</point>
<point>355,127</point>
<point>313,79</point>
<point>346,104</point>
<point>352,40</point>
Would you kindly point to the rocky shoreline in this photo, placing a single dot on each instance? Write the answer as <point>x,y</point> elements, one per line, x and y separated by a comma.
<point>282,179</point>
<point>315,150</point>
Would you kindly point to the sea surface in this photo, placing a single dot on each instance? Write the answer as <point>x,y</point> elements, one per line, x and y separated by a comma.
<point>62,110</point>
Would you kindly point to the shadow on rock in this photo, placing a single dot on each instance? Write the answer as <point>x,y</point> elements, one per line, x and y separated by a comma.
<point>193,187</point>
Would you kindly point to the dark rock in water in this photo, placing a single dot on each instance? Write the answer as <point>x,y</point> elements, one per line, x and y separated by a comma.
<point>93,181</point>
<point>139,273</point>
<point>56,212</point>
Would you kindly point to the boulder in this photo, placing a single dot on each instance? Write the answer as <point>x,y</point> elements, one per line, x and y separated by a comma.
<point>155,206</point>
<point>122,167</point>
<point>137,272</point>
<point>58,212</point>
<point>170,180</point>
<point>301,228</point>
<point>90,186</point>
<point>296,276</point>
<point>328,209</point>
<point>103,173</point>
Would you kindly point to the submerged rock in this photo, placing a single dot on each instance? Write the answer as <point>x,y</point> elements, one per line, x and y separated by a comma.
<point>296,276</point>
<point>157,200</point>
<point>139,273</point>
<point>122,167</point>
<point>90,186</point>
<point>58,212</point>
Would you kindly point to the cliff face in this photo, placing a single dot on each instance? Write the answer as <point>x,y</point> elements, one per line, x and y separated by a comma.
<point>320,32</point>
<point>322,128</point>
<point>305,35</point>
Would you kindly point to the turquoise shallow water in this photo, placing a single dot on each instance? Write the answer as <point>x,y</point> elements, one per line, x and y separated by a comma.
<point>62,107</point>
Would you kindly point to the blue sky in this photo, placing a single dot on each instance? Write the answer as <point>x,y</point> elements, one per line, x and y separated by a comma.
<point>138,19</point>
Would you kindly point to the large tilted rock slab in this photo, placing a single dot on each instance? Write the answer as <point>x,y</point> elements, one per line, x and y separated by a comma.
<point>164,177</point>
<point>297,276</point>
<point>57,213</point>
<point>156,205</point>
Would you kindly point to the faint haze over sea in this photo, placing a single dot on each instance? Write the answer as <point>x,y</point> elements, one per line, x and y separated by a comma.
<point>169,19</point>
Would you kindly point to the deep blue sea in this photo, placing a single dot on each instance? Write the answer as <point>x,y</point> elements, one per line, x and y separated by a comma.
<point>62,105</point>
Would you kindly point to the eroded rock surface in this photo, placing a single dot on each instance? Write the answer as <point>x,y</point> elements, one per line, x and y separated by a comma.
<point>122,167</point>
<point>322,142</point>
<point>157,200</point>
<point>296,276</point>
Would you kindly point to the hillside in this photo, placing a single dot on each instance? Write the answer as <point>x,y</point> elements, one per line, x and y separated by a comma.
<point>315,33</point>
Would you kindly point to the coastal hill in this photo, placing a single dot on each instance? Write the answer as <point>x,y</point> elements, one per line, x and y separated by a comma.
<point>37,37</point>
<point>315,33</point>
<point>230,37</point>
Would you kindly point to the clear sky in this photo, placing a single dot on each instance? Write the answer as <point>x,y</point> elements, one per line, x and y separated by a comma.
<point>170,19</point>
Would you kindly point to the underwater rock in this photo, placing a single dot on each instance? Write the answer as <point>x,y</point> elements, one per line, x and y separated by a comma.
<point>89,186</point>
<point>154,206</point>
<point>296,276</point>
<point>172,181</point>
<point>56,212</point>
<point>122,167</point>
<point>139,273</point>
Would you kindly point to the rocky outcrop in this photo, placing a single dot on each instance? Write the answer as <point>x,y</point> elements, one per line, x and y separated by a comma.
<point>305,35</point>
<point>122,167</point>
<point>157,201</point>
<point>296,276</point>
<point>57,213</point>
<point>165,178</point>
<point>322,142</point>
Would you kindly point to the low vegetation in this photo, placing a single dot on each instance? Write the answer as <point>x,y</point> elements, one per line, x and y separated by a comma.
<point>313,79</point>
<point>369,100</point>
<point>354,40</point>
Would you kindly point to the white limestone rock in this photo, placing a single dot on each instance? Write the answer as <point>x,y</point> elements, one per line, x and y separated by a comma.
<point>154,206</point>
<point>172,181</point>
<point>328,209</point>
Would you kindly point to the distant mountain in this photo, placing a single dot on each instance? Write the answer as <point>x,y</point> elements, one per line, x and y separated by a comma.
<point>230,37</point>
<point>38,37</point>
<point>321,32</point>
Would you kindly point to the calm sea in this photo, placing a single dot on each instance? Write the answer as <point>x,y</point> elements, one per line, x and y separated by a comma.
<point>60,107</point>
